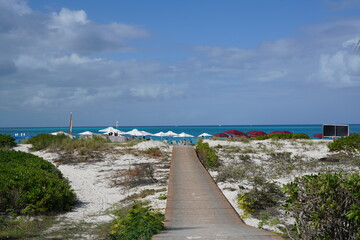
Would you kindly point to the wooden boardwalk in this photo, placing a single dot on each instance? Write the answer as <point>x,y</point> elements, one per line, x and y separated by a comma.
<point>196,207</point>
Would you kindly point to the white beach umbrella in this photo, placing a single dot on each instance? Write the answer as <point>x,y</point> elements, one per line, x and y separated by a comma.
<point>108,129</point>
<point>111,130</point>
<point>184,135</point>
<point>145,133</point>
<point>159,134</point>
<point>205,135</point>
<point>170,134</point>
<point>86,133</point>
<point>136,132</point>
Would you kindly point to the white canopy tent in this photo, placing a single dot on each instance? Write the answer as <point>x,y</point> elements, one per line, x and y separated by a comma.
<point>170,134</point>
<point>184,135</point>
<point>146,133</point>
<point>205,135</point>
<point>108,129</point>
<point>159,134</point>
<point>137,133</point>
<point>86,133</point>
<point>111,130</point>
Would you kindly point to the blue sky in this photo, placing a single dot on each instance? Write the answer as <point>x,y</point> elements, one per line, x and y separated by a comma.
<point>179,62</point>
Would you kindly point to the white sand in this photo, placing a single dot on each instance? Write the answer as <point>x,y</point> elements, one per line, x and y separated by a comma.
<point>92,183</point>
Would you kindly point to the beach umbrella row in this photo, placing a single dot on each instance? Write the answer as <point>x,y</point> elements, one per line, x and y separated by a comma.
<point>251,134</point>
<point>138,133</point>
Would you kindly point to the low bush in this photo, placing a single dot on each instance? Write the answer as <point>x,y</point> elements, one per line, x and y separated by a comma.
<point>139,222</point>
<point>282,157</point>
<point>29,184</point>
<point>277,136</point>
<point>140,174</point>
<point>63,142</point>
<point>143,194</point>
<point>231,173</point>
<point>24,227</point>
<point>262,196</point>
<point>7,141</point>
<point>350,143</point>
<point>207,155</point>
<point>153,152</point>
<point>325,206</point>
<point>45,140</point>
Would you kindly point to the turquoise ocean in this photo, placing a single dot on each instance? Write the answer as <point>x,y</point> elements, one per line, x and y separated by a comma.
<point>25,132</point>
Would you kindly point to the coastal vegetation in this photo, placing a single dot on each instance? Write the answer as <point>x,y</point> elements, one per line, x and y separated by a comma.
<point>136,221</point>
<point>295,186</point>
<point>263,196</point>
<point>134,176</point>
<point>282,136</point>
<point>348,144</point>
<point>29,186</point>
<point>45,140</point>
<point>137,172</point>
<point>206,154</point>
<point>70,150</point>
<point>7,141</point>
<point>325,206</point>
<point>65,143</point>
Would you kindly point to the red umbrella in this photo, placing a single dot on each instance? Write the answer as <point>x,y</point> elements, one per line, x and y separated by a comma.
<point>279,132</point>
<point>319,135</point>
<point>235,132</point>
<point>221,135</point>
<point>255,133</point>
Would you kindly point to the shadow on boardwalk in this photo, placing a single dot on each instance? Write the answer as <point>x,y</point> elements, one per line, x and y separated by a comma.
<point>196,207</point>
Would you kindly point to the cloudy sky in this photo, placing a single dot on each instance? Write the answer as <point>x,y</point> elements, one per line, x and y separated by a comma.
<point>183,62</point>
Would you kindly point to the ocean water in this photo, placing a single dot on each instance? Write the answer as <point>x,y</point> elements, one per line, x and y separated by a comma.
<point>310,130</point>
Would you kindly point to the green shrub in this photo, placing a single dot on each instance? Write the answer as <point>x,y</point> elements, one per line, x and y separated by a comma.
<point>45,140</point>
<point>325,206</point>
<point>140,222</point>
<point>7,141</point>
<point>84,146</point>
<point>29,184</point>
<point>142,173</point>
<point>277,136</point>
<point>207,155</point>
<point>231,173</point>
<point>262,196</point>
<point>153,152</point>
<point>350,143</point>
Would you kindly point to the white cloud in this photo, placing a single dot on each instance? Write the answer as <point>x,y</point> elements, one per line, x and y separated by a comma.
<point>271,76</point>
<point>341,69</point>
<point>19,7</point>
<point>68,18</point>
<point>70,31</point>
<point>343,4</point>
<point>74,59</point>
<point>156,91</point>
